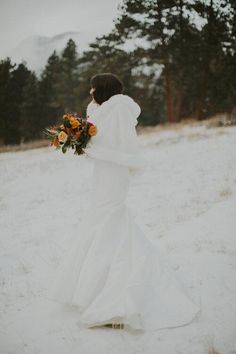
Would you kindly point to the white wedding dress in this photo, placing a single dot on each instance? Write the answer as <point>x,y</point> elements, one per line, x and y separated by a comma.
<point>113,272</point>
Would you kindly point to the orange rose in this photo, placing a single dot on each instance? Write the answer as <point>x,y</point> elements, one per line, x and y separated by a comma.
<point>55,141</point>
<point>92,130</point>
<point>74,122</point>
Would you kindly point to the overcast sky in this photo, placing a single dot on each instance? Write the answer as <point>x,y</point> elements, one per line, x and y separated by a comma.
<point>20,19</point>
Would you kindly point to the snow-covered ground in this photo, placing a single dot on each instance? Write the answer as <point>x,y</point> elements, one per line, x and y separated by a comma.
<point>185,202</point>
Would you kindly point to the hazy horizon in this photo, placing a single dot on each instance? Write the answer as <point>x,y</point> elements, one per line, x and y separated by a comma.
<point>24,19</point>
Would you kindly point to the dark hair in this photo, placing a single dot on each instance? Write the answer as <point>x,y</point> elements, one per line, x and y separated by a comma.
<point>105,85</point>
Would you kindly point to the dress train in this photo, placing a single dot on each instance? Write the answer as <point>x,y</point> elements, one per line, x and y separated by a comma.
<point>112,271</point>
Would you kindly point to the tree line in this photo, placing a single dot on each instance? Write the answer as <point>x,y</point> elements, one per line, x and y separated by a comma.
<point>180,63</point>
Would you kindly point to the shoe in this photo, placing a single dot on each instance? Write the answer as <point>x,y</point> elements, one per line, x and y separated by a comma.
<point>114,325</point>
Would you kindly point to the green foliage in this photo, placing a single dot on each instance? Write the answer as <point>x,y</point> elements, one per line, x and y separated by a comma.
<point>12,98</point>
<point>69,77</point>
<point>194,57</point>
<point>31,122</point>
<point>5,77</point>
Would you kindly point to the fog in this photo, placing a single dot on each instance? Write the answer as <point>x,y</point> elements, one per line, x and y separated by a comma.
<point>25,18</point>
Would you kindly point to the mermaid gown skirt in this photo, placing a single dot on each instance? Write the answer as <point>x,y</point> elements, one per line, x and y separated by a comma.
<point>112,271</point>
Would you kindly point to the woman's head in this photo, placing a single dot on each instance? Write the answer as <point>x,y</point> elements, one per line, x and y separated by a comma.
<point>105,85</point>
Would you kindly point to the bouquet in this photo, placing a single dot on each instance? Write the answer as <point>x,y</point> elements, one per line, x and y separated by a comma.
<point>74,133</point>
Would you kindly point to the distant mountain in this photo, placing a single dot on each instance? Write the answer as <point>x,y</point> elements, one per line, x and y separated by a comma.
<point>35,50</point>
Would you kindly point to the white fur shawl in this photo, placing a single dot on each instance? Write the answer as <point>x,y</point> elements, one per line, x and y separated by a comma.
<point>116,138</point>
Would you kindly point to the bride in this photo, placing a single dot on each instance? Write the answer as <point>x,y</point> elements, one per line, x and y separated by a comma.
<point>113,274</point>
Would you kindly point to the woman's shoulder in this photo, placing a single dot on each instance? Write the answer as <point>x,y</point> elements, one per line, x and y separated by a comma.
<point>123,104</point>
<point>117,107</point>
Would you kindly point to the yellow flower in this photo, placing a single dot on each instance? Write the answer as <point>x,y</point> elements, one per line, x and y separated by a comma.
<point>74,123</point>
<point>62,137</point>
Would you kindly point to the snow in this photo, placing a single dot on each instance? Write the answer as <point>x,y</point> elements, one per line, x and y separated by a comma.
<point>185,203</point>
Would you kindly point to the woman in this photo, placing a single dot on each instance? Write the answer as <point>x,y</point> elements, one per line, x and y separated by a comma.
<point>113,274</point>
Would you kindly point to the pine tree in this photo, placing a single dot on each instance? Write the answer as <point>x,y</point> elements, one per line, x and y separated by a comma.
<point>18,80</point>
<point>69,77</point>
<point>5,77</point>
<point>227,93</point>
<point>193,58</point>
<point>49,87</point>
<point>30,121</point>
<point>154,27</point>
<point>213,36</point>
